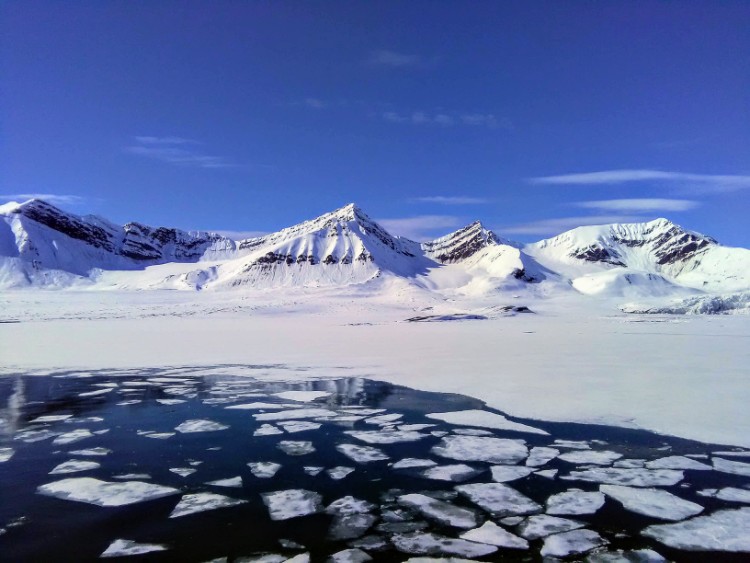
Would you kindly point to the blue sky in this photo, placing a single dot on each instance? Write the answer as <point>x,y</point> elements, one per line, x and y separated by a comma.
<point>534,117</point>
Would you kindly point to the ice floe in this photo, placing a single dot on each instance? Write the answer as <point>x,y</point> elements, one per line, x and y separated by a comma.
<point>572,444</point>
<point>731,494</point>
<point>6,454</point>
<point>350,526</point>
<point>349,505</point>
<point>480,448</point>
<point>386,436</point>
<point>182,471</point>
<point>543,525</point>
<point>170,402</point>
<point>294,414</point>
<point>571,543</point>
<point>575,501</point>
<point>590,457</point>
<point>349,556</point>
<point>414,427</point>
<point>312,470</point>
<point>629,463</point>
<point>200,502</point>
<point>74,466</point>
<point>73,436</point>
<point>157,435</point>
<point>200,425</point>
<point>498,499</point>
<point>457,472</point>
<point>104,493</point>
<point>96,393</point>
<point>547,473</point>
<point>384,418</point>
<point>302,396</point>
<point>507,473</point>
<point>729,466</point>
<point>541,455</point>
<point>432,544</point>
<point>362,454</point>
<point>293,426</point>
<point>92,452</point>
<point>228,482</point>
<point>291,503</point>
<point>724,530</point>
<point>630,556</point>
<point>442,512</point>
<point>632,477</point>
<point>655,503</point>
<point>296,447</point>
<point>677,462</point>
<point>492,534</point>
<point>50,418</point>
<point>259,405</point>
<point>339,472</point>
<point>267,430</point>
<point>413,462</point>
<point>264,469</point>
<point>473,432</point>
<point>484,419</point>
<point>124,548</point>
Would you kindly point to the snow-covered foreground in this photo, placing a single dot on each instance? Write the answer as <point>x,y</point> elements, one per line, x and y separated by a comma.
<point>684,376</point>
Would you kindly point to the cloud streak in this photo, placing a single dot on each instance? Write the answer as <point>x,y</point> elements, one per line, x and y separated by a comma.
<point>448,119</point>
<point>172,150</point>
<point>59,199</point>
<point>421,227</point>
<point>640,205</point>
<point>694,182</point>
<point>388,58</point>
<point>561,224</point>
<point>450,200</point>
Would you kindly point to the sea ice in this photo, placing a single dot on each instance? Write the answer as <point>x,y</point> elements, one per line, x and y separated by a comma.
<point>731,494</point>
<point>442,512</point>
<point>229,482</point>
<point>132,476</point>
<point>312,470</point>
<point>590,457</point>
<point>200,502</point>
<point>479,448</point>
<point>74,466</point>
<point>158,435</point>
<point>264,406</point>
<point>361,454</point>
<point>631,556</point>
<point>200,425</point>
<point>731,453</point>
<point>724,530</point>
<point>264,469</point>
<point>50,418</point>
<point>96,393</point>
<point>432,544</point>
<point>302,396</point>
<point>629,463</point>
<point>293,426</point>
<point>339,472</point>
<point>472,432</point>
<point>543,525</point>
<point>349,556</point>
<point>498,499</point>
<point>506,473</point>
<point>547,473</point>
<point>294,414</point>
<point>124,548</point>
<point>182,471</point>
<point>411,462</point>
<point>655,503</point>
<point>30,436</point>
<point>292,447</point>
<point>458,472</point>
<point>6,454</point>
<point>632,477</point>
<point>677,462</point>
<point>349,505</point>
<point>301,558</point>
<point>384,418</point>
<point>350,526</point>
<point>728,466</point>
<point>386,436</point>
<point>291,503</point>
<point>414,427</point>
<point>170,401</point>
<point>104,493</point>
<point>574,501</point>
<point>130,402</point>
<point>267,430</point>
<point>570,543</point>
<point>541,455</point>
<point>484,419</point>
<point>572,444</point>
<point>73,436</point>
<point>492,534</point>
<point>92,452</point>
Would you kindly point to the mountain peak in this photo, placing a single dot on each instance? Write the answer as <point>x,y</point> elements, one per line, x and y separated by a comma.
<point>461,244</point>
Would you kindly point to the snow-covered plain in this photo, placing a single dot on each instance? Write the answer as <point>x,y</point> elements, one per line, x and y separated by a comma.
<point>573,360</point>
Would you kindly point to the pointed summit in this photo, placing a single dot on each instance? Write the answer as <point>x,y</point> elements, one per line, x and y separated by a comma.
<point>461,244</point>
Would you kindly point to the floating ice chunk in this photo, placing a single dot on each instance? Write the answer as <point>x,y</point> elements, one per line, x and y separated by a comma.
<point>432,544</point>
<point>480,448</point>
<point>158,435</point>
<point>543,525</point>
<point>498,499</point>
<point>349,505</point>
<point>506,473</point>
<point>402,527</point>
<point>632,556</point>
<point>229,482</point>
<point>339,472</point>
<point>632,477</point>
<point>652,502</point>
<point>571,543</point>
<point>512,520</point>
<point>472,432</point>
<point>264,406</point>
<point>541,455</point>
<point>575,501</point>
<point>412,462</point>
<point>439,433</point>
<point>724,530</point>
<point>31,436</point>
<point>350,556</point>
<point>200,425</point>
<point>301,558</point>
<point>734,467</point>
<point>438,560</point>
<point>100,432</point>
<point>386,436</point>
<point>182,471</point>
<point>630,463</point>
<point>302,396</point>
<point>731,494</point>
<point>733,453</point>
<point>104,493</point>
<point>293,426</point>
<point>572,444</point>
<point>547,473</point>
<point>74,466</point>
<point>364,411</point>
<point>264,558</point>
<point>267,430</point>
<point>73,436</point>
<point>458,472</point>
<point>132,476</point>
<point>442,512</point>
<point>294,414</point>
<point>200,502</point>
<point>291,503</point>
<point>312,470</point>
<point>92,452</point>
<point>678,462</point>
<point>50,418</point>
<point>414,427</point>
<point>361,454</point>
<point>484,419</point>
<point>6,454</point>
<point>129,402</point>
<point>170,401</point>
<point>372,543</point>
<point>350,526</point>
<point>492,534</point>
<point>96,393</point>
<point>264,469</point>
<point>384,418</point>
<point>590,457</point>
<point>124,548</point>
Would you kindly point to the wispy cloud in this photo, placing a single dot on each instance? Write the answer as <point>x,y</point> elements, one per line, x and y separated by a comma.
<point>451,200</point>
<point>58,199</point>
<point>172,150</point>
<point>314,103</point>
<point>447,119</point>
<point>640,205</point>
<point>561,224</point>
<point>421,227</point>
<point>692,182</point>
<point>393,59</point>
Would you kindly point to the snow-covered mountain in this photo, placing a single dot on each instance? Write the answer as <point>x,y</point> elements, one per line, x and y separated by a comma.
<point>43,246</point>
